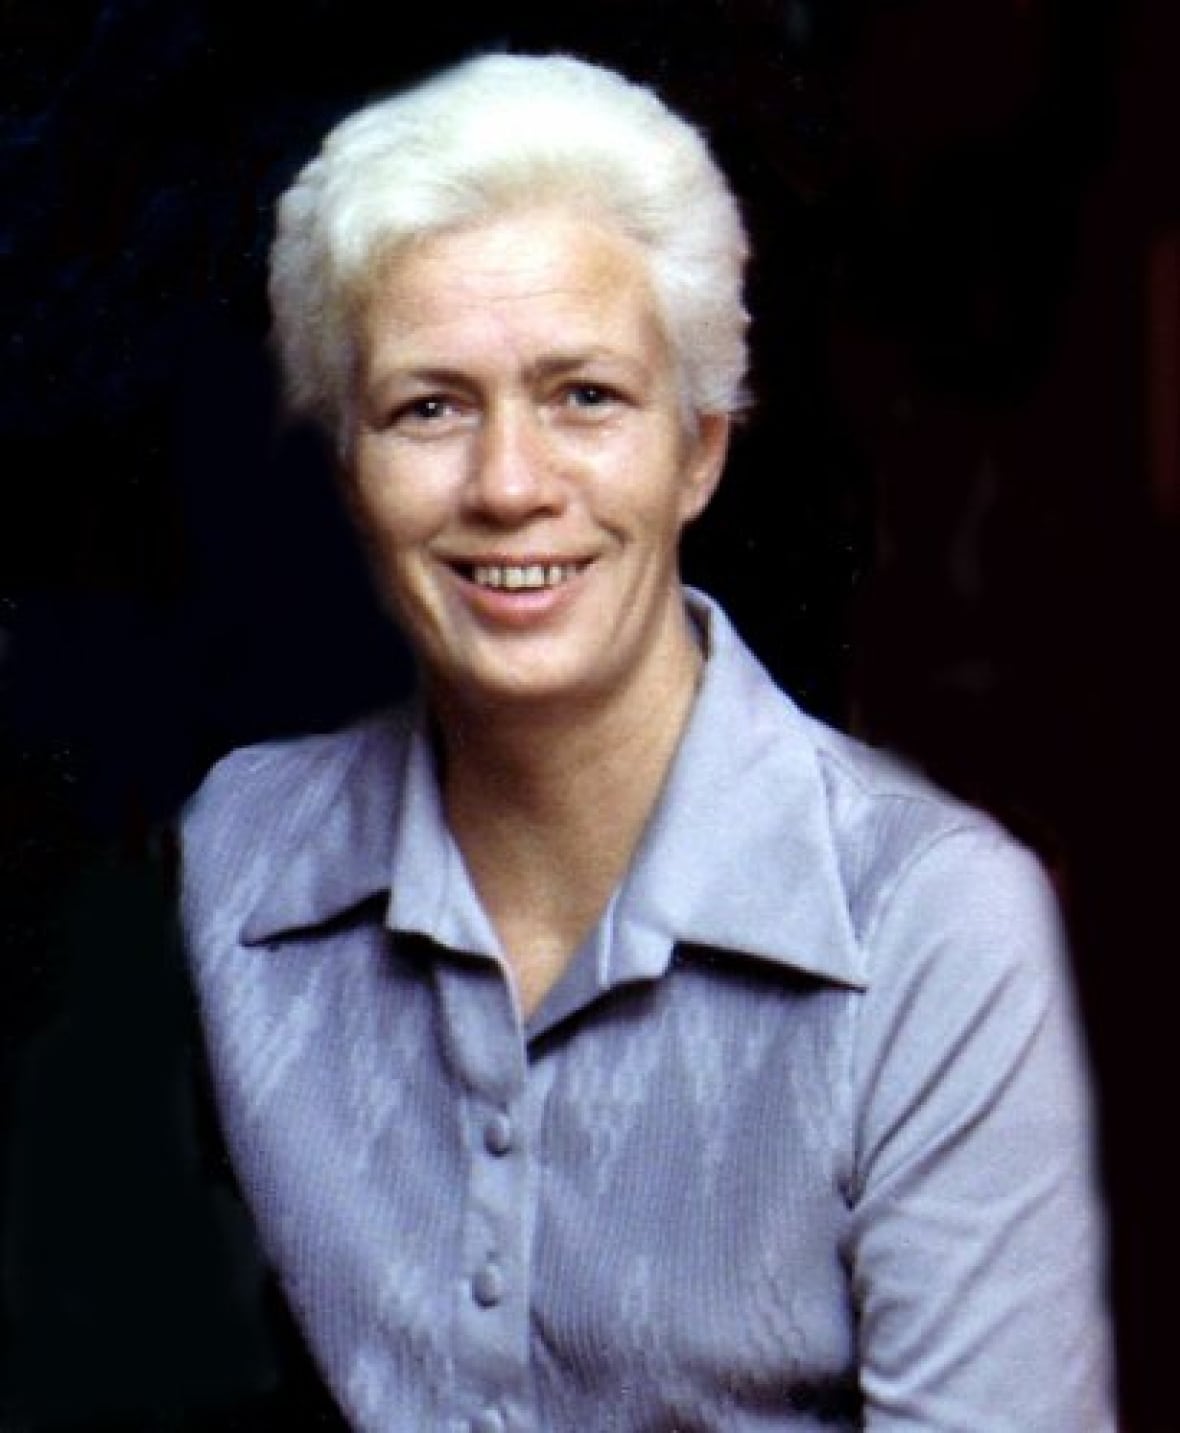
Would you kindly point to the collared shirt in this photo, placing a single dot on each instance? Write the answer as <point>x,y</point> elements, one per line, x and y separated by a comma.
<point>800,1140</point>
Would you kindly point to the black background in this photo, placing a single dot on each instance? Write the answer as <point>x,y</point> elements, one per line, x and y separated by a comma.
<point>946,525</point>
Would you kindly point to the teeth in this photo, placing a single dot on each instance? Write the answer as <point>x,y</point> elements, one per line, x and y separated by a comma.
<point>530,578</point>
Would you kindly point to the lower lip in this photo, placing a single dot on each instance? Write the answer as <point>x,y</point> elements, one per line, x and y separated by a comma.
<point>522,607</point>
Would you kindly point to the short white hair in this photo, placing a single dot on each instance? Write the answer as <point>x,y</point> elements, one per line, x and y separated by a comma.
<point>489,136</point>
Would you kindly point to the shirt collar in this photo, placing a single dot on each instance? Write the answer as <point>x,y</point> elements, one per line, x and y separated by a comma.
<point>739,854</point>
<point>378,829</point>
<point>430,890</point>
<point>339,855</point>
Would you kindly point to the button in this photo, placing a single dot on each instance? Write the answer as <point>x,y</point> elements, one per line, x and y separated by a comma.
<point>497,1134</point>
<point>487,1287</point>
<point>490,1420</point>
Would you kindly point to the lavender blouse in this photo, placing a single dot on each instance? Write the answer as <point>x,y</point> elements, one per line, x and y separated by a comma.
<point>801,1140</point>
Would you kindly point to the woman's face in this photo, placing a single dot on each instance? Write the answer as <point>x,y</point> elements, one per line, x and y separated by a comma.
<point>520,467</point>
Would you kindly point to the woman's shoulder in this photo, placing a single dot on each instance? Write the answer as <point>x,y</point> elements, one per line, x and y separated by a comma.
<point>900,840</point>
<point>271,766</point>
<point>272,780</point>
<point>261,804</point>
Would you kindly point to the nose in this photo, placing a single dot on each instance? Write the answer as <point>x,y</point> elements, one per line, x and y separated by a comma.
<point>514,472</point>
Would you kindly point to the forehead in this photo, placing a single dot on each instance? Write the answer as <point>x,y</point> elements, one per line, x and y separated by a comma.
<point>527,279</point>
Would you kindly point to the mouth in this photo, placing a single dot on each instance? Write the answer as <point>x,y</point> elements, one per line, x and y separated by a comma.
<point>520,577</point>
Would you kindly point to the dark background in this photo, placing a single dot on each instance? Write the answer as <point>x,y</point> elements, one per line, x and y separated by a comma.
<point>951,526</point>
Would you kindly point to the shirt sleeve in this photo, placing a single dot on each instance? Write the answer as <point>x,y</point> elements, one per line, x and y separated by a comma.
<point>977,1248</point>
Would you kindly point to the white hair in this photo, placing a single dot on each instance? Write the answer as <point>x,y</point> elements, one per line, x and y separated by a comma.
<point>489,136</point>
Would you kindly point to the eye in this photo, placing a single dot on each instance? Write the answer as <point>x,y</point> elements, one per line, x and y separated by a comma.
<point>426,415</point>
<point>428,409</point>
<point>589,396</point>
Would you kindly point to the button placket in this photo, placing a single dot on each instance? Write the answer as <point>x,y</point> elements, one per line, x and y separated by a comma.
<point>503,1092</point>
<point>492,1371</point>
<point>489,1281</point>
<point>493,1326</point>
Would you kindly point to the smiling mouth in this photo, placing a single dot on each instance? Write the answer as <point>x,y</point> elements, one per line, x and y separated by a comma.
<point>520,577</point>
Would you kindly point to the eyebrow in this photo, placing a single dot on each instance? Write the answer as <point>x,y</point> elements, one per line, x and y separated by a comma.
<point>549,366</point>
<point>557,365</point>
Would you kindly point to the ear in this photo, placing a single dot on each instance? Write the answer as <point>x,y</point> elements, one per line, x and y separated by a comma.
<point>703,462</point>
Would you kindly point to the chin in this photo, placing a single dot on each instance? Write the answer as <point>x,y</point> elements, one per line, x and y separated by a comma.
<point>511,688</point>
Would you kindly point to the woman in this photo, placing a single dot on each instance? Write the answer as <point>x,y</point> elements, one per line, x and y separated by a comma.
<point>600,1042</point>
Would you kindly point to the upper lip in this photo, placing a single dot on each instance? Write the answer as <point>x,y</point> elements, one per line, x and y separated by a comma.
<point>531,559</point>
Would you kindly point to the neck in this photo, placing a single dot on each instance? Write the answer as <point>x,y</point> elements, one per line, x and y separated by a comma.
<point>548,805</point>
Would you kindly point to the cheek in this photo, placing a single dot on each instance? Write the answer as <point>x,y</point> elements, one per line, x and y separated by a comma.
<point>669,497</point>
<point>392,509</point>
